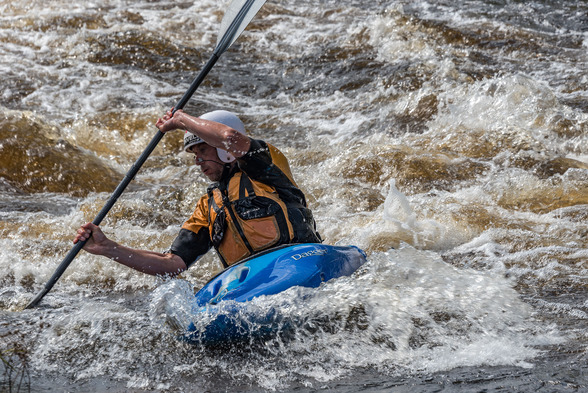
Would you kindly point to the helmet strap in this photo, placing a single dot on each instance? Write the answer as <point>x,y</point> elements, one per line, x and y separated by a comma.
<point>227,169</point>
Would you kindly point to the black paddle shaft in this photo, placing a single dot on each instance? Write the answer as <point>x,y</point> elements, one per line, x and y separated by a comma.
<point>229,33</point>
<point>124,183</point>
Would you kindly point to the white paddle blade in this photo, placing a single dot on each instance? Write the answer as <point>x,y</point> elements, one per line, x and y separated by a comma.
<point>236,19</point>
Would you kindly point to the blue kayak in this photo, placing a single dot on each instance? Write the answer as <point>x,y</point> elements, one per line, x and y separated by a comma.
<point>267,273</point>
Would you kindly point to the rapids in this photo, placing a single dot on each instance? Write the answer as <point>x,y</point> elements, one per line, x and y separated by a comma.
<point>449,140</point>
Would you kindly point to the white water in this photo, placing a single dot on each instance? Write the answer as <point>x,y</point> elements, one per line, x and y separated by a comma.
<point>423,145</point>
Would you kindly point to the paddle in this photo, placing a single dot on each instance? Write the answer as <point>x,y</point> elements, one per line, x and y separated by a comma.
<point>237,17</point>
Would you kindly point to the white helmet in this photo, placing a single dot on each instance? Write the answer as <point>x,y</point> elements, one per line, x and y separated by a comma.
<point>224,117</point>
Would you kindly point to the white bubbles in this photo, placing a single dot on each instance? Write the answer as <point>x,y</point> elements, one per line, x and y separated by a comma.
<point>172,305</point>
<point>376,110</point>
<point>395,222</point>
<point>397,39</point>
<point>405,311</point>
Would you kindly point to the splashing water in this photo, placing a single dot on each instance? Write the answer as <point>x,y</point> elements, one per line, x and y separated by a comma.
<point>448,140</point>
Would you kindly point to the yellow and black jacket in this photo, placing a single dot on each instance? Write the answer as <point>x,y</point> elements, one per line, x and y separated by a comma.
<point>257,205</point>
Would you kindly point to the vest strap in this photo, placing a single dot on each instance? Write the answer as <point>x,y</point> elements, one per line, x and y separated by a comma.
<point>227,206</point>
<point>245,185</point>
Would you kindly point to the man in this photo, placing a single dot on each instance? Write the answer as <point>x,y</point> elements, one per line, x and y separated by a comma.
<point>253,203</point>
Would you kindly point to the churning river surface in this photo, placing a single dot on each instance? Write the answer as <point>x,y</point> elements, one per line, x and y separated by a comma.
<point>448,139</point>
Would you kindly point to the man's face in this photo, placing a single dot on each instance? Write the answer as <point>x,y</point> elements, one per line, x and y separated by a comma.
<point>207,159</point>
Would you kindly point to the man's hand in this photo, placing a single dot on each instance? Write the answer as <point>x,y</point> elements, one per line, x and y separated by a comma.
<point>95,239</point>
<point>168,122</point>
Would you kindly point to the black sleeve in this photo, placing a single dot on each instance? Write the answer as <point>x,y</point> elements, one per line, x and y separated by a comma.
<point>191,246</point>
<point>258,165</point>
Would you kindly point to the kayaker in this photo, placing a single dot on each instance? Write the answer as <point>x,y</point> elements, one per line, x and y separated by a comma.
<point>253,203</point>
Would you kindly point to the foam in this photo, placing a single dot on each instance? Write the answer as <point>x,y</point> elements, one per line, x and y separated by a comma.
<point>438,290</point>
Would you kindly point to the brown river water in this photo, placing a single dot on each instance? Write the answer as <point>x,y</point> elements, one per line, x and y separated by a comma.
<point>449,140</point>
